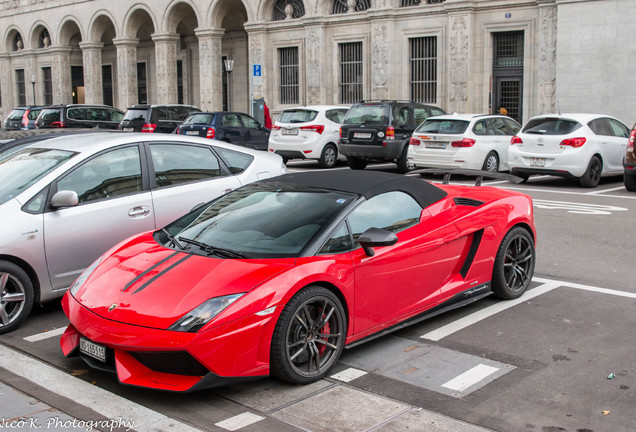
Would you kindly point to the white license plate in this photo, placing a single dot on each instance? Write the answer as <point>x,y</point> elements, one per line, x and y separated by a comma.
<point>129,129</point>
<point>92,349</point>
<point>435,144</point>
<point>192,133</point>
<point>362,135</point>
<point>537,162</point>
<point>289,132</point>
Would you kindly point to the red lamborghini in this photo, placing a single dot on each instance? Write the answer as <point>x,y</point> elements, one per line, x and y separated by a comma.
<point>277,277</point>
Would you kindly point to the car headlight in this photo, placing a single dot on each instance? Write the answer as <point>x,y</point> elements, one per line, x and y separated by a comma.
<point>194,320</point>
<point>85,274</point>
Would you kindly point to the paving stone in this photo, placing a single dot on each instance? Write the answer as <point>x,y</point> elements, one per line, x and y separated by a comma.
<point>422,420</point>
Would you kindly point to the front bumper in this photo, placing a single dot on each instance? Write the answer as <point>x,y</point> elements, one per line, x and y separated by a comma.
<point>172,360</point>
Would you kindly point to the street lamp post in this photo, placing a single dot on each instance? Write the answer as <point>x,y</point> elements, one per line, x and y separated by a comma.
<point>33,84</point>
<point>229,65</point>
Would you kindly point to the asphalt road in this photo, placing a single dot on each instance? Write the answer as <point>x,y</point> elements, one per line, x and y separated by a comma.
<point>560,358</point>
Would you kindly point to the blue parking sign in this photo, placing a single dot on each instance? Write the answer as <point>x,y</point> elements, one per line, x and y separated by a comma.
<point>257,70</point>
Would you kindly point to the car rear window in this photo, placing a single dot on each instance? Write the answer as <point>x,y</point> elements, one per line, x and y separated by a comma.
<point>362,114</point>
<point>336,115</point>
<point>551,126</point>
<point>137,114</point>
<point>297,116</point>
<point>205,119</point>
<point>443,126</point>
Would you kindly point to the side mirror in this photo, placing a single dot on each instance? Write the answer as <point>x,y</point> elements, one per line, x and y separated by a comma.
<point>375,237</point>
<point>64,198</point>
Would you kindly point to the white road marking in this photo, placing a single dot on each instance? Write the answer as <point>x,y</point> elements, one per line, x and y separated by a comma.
<point>470,377</point>
<point>99,400</point>
<point>239,421</point>
<point>577,208</point>
<point>600,191</point>
<point>348,375</point>
<point>45,335</point>
<point>482,314</point>
<point>526,190</point>
<point>588,288</point>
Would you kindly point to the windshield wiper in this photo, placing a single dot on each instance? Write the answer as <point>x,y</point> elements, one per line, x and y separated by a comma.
<point>171,238</point>
<point>227,253</point>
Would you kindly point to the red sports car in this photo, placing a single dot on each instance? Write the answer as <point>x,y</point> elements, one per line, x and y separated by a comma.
<point>277,277</point>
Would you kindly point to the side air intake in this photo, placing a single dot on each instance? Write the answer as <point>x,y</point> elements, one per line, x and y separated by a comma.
<point>460,201</point>
<point>472,252</point>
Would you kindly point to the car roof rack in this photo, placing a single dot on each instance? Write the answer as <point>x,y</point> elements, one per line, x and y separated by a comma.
<point>479,174</point>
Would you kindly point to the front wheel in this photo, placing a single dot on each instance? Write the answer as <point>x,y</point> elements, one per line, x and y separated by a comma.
<point>592,176</point>
<point>328,157</point>
<point>16,296</point>
<point>514,264</point>
<point>356,163</point>
<point>309,336</point>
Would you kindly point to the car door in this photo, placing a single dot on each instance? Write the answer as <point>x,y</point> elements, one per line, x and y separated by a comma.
<point>620,137</point>
<point>402,279</point>
<point>610,146</point>
<point>184,175</point>
<point>255,134</point>
<point>233,128</point>
<point>113,205</point>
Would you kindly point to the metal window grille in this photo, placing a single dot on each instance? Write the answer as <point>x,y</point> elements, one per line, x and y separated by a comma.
<point>142,89</point>
<point>107,85</point>
<point>510,97</point>
<point>406,3</point>
<point>281,5</point>
<point>226,104</point>
<point>179,82</point>
<point>340,6</point>
<point>351,78</point>
<point>509,49</point>
<point>288,69</point>
<point>47,82</point>
<point>21,87</point>
<point>424,69</point>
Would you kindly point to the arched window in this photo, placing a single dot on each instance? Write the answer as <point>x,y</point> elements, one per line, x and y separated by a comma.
<point>44,40</point>
<point>340,6</point>
<point>18,43</point>
<point>406,3</point>
<point>291,8</point>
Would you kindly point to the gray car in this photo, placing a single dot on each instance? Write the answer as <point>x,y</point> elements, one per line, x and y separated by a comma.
<point>65,201</point>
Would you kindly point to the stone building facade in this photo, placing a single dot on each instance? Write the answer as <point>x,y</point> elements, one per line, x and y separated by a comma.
<point>528,56</point>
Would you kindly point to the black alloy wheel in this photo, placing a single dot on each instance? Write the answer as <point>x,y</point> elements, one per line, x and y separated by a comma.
<point>16,296</point>
<point>592,176</point>
<point>514,264</point>
<point>309,336</point>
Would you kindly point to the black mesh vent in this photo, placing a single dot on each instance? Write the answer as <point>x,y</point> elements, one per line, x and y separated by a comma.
<point>172,362</point>
<point>468,202</point>
<point>472,252</point>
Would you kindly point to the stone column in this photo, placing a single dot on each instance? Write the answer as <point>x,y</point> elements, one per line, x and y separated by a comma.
<point>126,71</point>
<point>547,57</point>
<point>381,33</point>
<point>210,69</point>
<point>61,75</point>
<point>92,57</point>
<point>166,67</point>
<point>314,50</point>
<point>458,62</point>
<point>256,56</point>
<point>6,84</point>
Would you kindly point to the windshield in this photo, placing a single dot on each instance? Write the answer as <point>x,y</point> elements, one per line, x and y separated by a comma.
<point>136,114</point>
<point>297,116</point>
<point>204,119</point>
<point>20,170</point>
<point>362,114</point>
<point>443,126</point>
<point>259,221</point>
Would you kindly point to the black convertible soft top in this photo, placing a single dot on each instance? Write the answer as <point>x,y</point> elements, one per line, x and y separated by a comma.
<point>365,183</point>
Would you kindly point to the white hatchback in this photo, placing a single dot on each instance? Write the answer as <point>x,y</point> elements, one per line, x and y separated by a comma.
<point>308,132</point>
<point>468,141</point>
<point>584,146</point>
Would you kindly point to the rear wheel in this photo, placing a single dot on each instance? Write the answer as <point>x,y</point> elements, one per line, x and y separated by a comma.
<point>356,163</point>
<point>514,264</point>
<point>16,296</point>
<point>328,157</point>
<point>630,182</point>
<point>491,163</point>
<point>402,161</point>
<point>592,176</point>
<point>309,336</point>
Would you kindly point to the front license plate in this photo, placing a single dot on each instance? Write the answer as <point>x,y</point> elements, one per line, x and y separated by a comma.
<point>92,349</point>
<point>192,133</point>
<point>289,131</point>
<point>435,144</point>
<point>537,162</point>
<point>362,135</point>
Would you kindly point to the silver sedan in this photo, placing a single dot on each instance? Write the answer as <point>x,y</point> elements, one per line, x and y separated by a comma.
<point>65,201</point>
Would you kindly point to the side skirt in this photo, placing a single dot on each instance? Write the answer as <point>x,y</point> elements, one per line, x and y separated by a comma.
<point>458,300</point>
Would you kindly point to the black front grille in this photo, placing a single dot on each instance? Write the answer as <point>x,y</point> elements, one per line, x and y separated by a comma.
<point>172,362</point>
<point>472,252</point>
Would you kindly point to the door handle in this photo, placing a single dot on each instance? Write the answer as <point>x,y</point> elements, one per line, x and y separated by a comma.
<point>139,212</point>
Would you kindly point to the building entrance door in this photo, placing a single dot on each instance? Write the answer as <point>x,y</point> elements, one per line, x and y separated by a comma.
<point>507,74</point>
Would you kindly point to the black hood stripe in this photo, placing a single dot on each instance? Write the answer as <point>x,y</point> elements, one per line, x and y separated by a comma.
<point>132,282</point>
<point>161,273</point>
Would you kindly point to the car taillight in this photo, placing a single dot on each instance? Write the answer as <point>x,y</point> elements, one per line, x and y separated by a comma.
<point>57,124</point>
<point>414,141</point>
<point>149,127</point>
<point>313,128</point>
<point>515,140</point>
<point>210,133</point>
<point>25,119</point>
<point>632,137</point>
<point>340,132</point>
<point>275,127</point>
<point>390,133</point>
<point>466,142</point>
<point>573,142</point>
